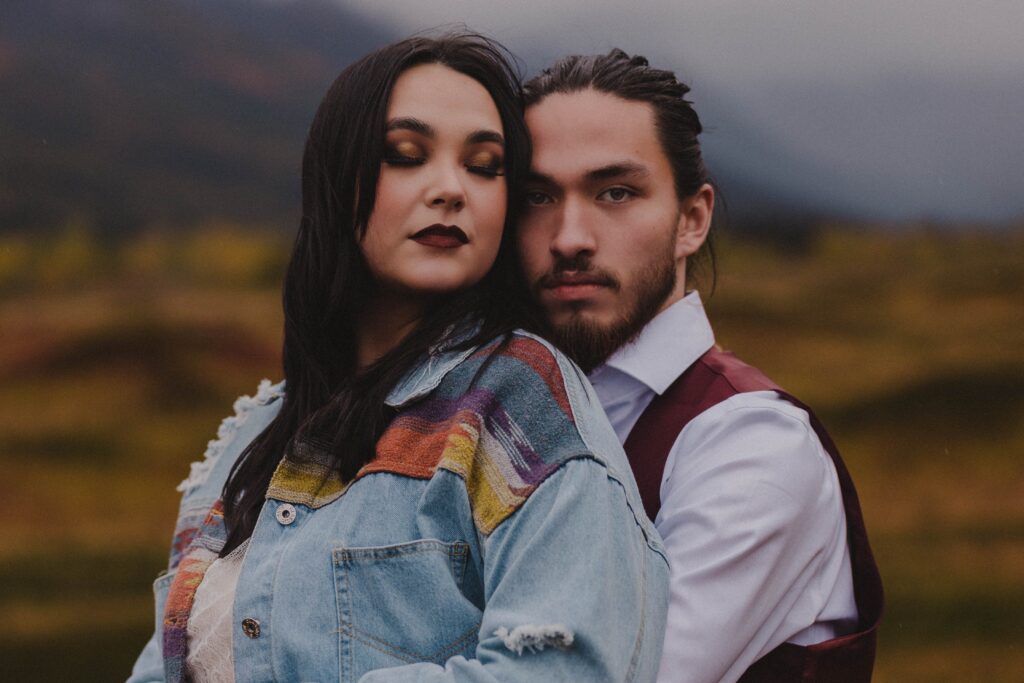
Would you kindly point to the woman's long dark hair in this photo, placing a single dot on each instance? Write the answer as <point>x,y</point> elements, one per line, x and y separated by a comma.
<point>328,281</point>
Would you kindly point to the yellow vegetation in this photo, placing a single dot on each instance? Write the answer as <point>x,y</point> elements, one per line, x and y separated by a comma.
<point>118,361</point>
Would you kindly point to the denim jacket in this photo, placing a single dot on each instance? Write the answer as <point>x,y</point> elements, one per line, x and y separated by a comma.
<point>497,535</point>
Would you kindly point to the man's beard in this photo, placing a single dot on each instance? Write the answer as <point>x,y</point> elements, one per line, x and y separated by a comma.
<point>589,343</point>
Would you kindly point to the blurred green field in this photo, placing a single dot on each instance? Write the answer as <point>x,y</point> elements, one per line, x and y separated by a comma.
<point>118,361</point>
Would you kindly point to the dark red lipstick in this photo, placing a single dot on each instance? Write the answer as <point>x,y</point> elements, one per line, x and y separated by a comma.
<point>441,236</point>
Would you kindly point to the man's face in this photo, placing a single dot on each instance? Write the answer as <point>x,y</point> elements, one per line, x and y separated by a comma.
<point>599,239</point>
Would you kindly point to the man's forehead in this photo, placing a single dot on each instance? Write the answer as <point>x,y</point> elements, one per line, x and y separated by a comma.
<point>577,133</point>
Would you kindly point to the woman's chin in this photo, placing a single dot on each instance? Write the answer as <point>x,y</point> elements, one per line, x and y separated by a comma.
<point>435,285</point>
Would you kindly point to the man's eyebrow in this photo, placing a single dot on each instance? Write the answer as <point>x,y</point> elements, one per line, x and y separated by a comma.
<point>537,178</point>
<point>413,124</point>
<point>485,136</point>
<point>621,169</point>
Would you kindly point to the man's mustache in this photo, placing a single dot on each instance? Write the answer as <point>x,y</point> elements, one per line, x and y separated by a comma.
<point>576,271</point>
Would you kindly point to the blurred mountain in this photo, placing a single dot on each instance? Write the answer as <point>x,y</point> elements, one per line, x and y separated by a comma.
<point>124,114</point>
<point>896,145</point>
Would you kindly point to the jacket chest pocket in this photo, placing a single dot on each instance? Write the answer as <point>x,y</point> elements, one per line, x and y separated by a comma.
<point>402,604</point>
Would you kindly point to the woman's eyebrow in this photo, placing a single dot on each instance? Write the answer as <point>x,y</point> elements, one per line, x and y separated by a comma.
<point>485,136</point>
<point>413,124</point>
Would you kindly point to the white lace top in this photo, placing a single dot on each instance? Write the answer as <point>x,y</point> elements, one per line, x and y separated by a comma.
<point>210,626</point>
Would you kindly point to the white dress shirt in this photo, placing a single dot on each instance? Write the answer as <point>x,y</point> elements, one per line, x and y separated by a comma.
<point>751,512</point>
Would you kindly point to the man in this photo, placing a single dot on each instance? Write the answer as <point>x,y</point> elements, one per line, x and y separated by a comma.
<point>772,576</point>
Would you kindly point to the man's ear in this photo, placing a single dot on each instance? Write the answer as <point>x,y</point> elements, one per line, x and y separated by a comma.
<point>694,220</point>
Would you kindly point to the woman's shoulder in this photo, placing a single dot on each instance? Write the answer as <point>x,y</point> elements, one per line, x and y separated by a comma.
<point>513,412</point>
<point>251,415</point>
<point>521,358</point>
<point>202,488</point>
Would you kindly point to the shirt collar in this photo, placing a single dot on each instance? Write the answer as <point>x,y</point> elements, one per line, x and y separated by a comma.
<point>670,343</point>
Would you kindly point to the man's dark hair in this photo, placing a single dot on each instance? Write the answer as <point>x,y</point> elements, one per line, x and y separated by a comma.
<point>632,78</point>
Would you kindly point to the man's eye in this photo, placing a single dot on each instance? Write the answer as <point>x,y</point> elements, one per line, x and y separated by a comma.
<point>537,198</point>
<point>617,194</point>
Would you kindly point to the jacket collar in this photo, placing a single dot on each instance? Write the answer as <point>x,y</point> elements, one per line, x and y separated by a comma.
<point>441,359</point>
<point>306,474</point>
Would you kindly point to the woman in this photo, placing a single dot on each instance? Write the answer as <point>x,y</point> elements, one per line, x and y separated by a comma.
<point>436,496</point>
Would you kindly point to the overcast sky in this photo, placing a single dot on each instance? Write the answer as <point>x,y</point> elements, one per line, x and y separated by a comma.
<point>738,42</point>
<point>894,109</point>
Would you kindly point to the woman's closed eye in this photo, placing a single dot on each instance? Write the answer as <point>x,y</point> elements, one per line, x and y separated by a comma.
<point>404,154</point>
<point>486,164</point>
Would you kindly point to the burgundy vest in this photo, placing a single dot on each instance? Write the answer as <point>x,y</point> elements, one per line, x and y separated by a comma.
<point>714,377</point>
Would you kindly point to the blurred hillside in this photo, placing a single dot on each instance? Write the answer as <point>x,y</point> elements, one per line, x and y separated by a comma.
<point>149,175</point>
<point>118,361</point>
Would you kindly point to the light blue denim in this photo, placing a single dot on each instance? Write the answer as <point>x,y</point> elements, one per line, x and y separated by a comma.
<point>394,580</point>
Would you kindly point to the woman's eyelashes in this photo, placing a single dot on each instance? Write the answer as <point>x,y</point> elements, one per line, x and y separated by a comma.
<point>404,154</point>
<point>487,164</point>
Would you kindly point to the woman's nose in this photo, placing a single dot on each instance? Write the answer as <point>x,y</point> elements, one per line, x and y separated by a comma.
<point>446,190</point>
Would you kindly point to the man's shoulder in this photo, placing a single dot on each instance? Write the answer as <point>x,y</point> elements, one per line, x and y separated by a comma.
<point>715,377</point>
<point>725,374</point>
<point>720,384</point>
<point>722,412</point>
<point>753,436</point>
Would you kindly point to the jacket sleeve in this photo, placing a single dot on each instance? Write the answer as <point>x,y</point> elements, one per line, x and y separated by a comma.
<point>149,667</point>
<point>199,491</point>
<point>573,591</point>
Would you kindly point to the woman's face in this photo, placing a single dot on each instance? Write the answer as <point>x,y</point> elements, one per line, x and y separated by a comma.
<point>441,198</point>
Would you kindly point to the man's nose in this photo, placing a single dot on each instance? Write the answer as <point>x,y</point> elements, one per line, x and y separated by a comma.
<point>445,189</point>
<point>574,234</point>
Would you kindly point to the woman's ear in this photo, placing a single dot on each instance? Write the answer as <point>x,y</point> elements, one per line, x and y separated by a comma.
<point>694,220</point>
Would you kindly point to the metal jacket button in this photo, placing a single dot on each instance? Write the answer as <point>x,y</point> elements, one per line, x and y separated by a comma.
<point>286,514</point>
<point>251,628</point>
